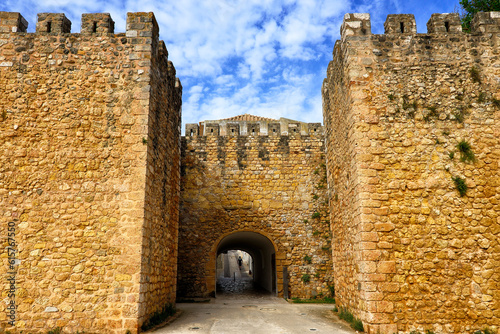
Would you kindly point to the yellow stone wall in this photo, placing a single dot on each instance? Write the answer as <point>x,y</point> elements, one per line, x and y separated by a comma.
<point>264,184</point>
<point>81,149</point>
<point>410,252</point>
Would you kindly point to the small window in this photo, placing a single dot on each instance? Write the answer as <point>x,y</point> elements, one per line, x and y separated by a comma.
<point>94,27</point>
<point>211,130</point>
<point>49,26</point>
<point>447,26</point>
<point>191,132</point>
<point>253,130</point>
<point>274,130</point>
<point>402,27</point>
<point>314,129</point>
<point>232,130</point>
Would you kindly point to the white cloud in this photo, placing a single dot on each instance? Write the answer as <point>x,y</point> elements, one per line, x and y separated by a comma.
<point>266,57</point>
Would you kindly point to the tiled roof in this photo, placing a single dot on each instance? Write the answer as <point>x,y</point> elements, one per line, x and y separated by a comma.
<point>248,117</point>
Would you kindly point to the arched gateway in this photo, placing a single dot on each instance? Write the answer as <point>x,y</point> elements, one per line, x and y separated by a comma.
<point>263,253</point>
<point>258,185</point>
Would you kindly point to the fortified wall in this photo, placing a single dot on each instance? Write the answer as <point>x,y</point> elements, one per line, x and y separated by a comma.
<point>257,178</point>
<point>89,173</point>
<point>413,154</point>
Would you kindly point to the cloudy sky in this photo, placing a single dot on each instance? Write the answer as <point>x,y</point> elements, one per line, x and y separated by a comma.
<point>262,57</point>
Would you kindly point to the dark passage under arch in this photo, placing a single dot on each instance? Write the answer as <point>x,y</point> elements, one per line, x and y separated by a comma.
<point>263,254</point>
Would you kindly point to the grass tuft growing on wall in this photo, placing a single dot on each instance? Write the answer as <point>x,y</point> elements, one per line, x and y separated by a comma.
<point>460,185</point>
<point>465,150</point>
<point>475,74</point>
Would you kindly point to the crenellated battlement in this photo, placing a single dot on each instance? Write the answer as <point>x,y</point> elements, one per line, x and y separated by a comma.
<point>248,125</point>
<point>92,24</point>
<point>12,22</point>
<point>359,24</point>
<point>56,23</point>
<point>99,23</point>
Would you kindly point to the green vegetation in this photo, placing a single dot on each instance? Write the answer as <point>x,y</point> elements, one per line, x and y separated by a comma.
<point>484,331</point>
<point>344,314</point>
<point>495,102</point>
<point>306,278</point>
<point>325,300</point>
<point>471,7</point>
<point>316,215</point>
<point>332,290</point>
<point>316,233</point>
<point>390,97</point>
<point>460,184</point>
<point>308,259</point>
<point>459,115</point>
<point>306,221</point>
<point>315,197</point>
<point>451,155</point>
<point>465,150</point>
<point>431,114</point>
<point>144,141</point>
<point>357,325</point>
<point>159,317</point>
<point>481,98</point>
<point>475,74</point>
<point>408,105</point>
<point>56,330</point>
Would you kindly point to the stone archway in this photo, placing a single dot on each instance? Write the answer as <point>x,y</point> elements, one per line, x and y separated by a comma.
<point>266,256</point>
<point>262,251</point>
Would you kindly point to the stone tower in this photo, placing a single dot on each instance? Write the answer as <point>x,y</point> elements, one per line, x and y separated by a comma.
<point>413,155</point>
<point>89,173</point>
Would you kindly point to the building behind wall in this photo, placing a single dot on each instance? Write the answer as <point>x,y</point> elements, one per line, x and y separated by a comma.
<point>89,172</point>
<point>410,251</point>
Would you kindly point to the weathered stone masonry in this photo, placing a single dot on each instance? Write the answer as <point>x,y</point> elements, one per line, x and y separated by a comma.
<point>266,177</point>
<point>89,171</point>
<point>409,252</point>
<point>90,157</point>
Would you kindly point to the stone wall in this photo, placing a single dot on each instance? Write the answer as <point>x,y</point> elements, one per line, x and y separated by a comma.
<point>410,252</point>
<point>86,121</point>
<point>269,184</point>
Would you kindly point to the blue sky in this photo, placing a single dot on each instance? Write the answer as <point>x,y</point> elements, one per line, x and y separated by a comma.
<point>262,57</point>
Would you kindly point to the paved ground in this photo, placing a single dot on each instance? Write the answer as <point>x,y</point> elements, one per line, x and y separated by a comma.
<point>242,309</point>
<point>257,315</point>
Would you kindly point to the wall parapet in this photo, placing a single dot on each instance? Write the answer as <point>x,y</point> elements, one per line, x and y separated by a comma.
<point>283,127</point>
<point>359,24</point>
<point>142,24</point>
